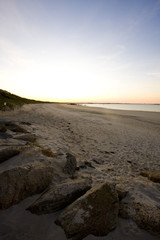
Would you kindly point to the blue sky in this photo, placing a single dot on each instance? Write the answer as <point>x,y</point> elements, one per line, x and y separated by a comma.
<point>81,50</point>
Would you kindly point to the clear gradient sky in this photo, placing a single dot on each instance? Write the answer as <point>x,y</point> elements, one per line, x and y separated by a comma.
<point>81,50</point>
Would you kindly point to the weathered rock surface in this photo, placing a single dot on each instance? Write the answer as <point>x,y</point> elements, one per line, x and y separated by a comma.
<point>15,127</point>
<point>26,123</point>
<point>142,204</point>
<point>153,175</point>
<point>95,212</point>
<point>121,193</point>
<point>146,216</point>
<point>26,137</point>
<point>5,135</point>
<point>71,164</point>
<point>7,153</point>
<point>18,183</point>
<point>3,129</point>
<point>59,196</point>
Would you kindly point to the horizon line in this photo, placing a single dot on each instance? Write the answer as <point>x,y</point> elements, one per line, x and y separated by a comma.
<point>80,102</point>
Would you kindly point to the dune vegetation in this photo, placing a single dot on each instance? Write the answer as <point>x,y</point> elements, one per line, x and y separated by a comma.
<point>9,101</point>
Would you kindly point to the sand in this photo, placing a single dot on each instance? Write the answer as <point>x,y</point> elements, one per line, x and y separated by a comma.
<point>118,144</point>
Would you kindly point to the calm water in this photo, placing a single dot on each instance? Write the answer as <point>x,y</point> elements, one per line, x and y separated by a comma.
<point>134,107</point>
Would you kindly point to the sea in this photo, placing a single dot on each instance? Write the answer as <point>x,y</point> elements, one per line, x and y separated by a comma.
<point>127,106</point>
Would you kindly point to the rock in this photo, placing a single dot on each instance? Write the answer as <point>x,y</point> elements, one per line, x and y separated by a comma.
<point>142,204</point>
<point>8,153</point>
<point>121,193</point>
<point>14,127</point>
<point>26,137</point>
<point>5,135</point>
<point>153,175</point>
<point>59,196</point>
<point>71,164</point>
<point>19,183</point>
<point>3,129</point>
<point>96,212</point>
<point>145,216</point>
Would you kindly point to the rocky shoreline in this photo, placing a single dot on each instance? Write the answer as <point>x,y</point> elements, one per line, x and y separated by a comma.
<point>65,182</point>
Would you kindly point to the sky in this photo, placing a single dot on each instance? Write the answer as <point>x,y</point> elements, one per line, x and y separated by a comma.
<point>81,50</point>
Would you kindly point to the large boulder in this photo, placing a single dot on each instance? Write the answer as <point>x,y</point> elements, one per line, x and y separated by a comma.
<point>153,175</point>
<point>71,164</point>
<point>146,216</point>
<point>18,183</point>
<point>59,196</point>
<point>96,212</point>
<point>142,204</point>
<point>7,153</point>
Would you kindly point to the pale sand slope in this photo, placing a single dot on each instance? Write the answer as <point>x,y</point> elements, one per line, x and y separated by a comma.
<point>117,143</point>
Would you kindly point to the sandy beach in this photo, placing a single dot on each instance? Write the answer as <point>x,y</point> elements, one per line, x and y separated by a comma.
<point>117,145</point>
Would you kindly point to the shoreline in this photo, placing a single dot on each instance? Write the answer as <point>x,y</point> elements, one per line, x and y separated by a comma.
<point>122,106</point>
